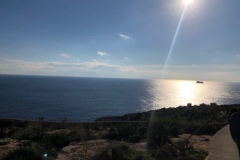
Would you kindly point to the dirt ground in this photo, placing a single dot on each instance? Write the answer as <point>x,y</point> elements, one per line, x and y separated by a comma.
<point>90,148</point>
<point>8,144</point>
<point>201,142</point>
<point>83,150</point>
<point>86,150</point>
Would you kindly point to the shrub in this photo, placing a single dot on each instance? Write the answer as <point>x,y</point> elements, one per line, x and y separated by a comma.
<point>12,131</point>
<point>3,134</point>
<point>56,141</point>
<point>102,156</point>
<point>22,153</point>
<point>142,156</point>
<point>74,136</point>
<point>37,134</point>
<point>179,150</point>
<point>124,131</point>
<point>157,134</point>
<point>210,129</point>
<point>174,131</point>
<point>21,134</point>
<point>5,123</point>
<point>34,134</point>
<point>122,152</point>
<point>21,124</point>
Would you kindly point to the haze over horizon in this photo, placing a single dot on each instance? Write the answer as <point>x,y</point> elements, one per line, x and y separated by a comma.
<point>121,39</point>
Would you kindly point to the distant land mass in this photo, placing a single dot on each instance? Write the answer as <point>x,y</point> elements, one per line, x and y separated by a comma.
<point>195,112</point>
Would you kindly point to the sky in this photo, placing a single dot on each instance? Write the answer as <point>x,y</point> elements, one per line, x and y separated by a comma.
<point>121,39</point>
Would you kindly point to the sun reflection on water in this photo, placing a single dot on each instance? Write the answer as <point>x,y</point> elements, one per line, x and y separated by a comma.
<point>186,90</point>
<point>174,93</point>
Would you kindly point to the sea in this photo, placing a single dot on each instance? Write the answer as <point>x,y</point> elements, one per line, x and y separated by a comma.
<point>85,99</point>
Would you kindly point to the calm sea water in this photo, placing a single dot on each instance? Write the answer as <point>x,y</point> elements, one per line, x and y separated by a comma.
<point>85,99</point>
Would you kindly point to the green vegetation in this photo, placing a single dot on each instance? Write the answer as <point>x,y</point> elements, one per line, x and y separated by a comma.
<point>156,128</point>
<point>3,134</point>
<point>203,119</point>
<point>122,152</point>
<point>55,141</point>
<point>22,153</point>
<point>179,150</point>
<point>158,135</point>
<point>132,132</point>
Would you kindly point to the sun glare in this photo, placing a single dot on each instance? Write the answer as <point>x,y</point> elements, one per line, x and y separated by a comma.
<point>187,2</point>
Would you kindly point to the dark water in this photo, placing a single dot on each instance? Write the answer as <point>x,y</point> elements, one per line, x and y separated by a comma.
<point>85,99</point>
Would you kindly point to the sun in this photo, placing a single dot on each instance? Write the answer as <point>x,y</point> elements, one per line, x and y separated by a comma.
<point>187,2</point>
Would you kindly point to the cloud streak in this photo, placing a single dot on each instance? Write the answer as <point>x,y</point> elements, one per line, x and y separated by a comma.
<point>101,69</point>
<point>101,53</point>
<point>14,66</point>
<point>64,55</point>
<point>125,37</point>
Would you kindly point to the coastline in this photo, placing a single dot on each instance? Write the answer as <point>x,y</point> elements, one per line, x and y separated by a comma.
<point>194,124</point>
<point>139,116</point>
<point>209,109</point>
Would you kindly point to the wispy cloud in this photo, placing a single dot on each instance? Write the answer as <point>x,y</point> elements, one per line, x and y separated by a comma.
<point>126,37</point>
<point>125,58</point>
<point>64,55</point>
<point>94,68</point>
<point>81,66</point>
<point>238,55</point>
<point>102,53</point>
<point>87,68</point>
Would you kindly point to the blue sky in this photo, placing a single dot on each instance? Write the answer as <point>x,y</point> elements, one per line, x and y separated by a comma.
<point>121,39</point>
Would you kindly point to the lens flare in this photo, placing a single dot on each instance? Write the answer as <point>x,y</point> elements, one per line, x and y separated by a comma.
<point>172,44</point>
<point>186,95</point>
<point>187,2</point>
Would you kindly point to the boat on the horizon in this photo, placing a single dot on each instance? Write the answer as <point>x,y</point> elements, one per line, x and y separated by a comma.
<point>199,81</point>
